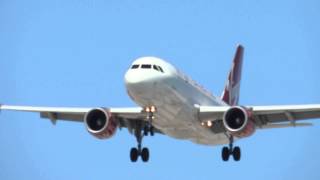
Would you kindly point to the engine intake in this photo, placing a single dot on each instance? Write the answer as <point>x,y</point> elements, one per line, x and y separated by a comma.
<point>100,123</point>
<point>238,121</point>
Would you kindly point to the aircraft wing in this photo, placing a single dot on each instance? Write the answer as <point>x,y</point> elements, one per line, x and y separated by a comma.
<point>127,117</point>
<point>75,113</point>
<point>267,116</point>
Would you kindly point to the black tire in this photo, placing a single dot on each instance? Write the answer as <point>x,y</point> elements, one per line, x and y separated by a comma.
<point>145,154</point>
<point>236,153</point>
<point>225,153</point>
<point>134,154</point>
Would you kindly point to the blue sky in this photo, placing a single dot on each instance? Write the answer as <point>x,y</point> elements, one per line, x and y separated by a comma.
<point>75,53</point>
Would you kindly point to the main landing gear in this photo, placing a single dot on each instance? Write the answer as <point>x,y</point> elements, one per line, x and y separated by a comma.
<point>228,151</point>
<point>139,151</point>
<point>147,129</point>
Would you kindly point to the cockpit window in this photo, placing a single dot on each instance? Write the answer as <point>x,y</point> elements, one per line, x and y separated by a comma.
<point>146,66</point>
<point>156,67</point>
<point>135,66</point>
<point>160,68</point>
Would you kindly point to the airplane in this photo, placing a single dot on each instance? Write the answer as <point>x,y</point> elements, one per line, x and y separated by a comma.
<point>171,103</point>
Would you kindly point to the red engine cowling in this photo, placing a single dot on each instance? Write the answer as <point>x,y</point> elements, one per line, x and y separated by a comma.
<point>239,121</point>
<point>100,123</point>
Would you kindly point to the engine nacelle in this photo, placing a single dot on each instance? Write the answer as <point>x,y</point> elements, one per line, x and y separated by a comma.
<point>100,123</point>
<point>238,121</point>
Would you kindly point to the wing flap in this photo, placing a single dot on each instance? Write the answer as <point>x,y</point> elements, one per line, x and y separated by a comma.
<point>62,116</point>
<point>285,125</point>
<point>289,116</point>
<point>285,113</point>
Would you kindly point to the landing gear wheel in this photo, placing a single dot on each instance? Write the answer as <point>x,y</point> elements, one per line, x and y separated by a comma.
<point>236,153</point>
<point>225,153</point>
<point>140,130</point>
<point>145,154</point>
<point>134,153</point>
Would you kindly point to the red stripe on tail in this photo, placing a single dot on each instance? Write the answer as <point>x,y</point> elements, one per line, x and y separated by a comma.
<point>231,91</point>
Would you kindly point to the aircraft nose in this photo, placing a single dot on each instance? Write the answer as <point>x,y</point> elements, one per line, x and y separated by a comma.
<point>132,78</point>
<point>137,83</point>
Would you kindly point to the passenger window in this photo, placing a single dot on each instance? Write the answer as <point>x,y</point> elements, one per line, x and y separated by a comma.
<point>135,66</point>
<point>146,66</point>
<point>156,67</point>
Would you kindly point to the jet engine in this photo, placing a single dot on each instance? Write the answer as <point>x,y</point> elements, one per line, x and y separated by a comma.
<point>100,123</point>
<point>239,121</point>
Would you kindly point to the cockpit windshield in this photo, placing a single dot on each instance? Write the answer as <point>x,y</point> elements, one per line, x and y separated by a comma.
<point>147,66</point>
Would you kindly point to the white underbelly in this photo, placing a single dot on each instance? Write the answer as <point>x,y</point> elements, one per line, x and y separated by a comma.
<point>176,116</point>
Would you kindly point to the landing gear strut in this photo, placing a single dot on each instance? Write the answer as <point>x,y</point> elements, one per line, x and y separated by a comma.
<point>228,151</point>
<point>139,151</point>
<point>148,129</point>
<point>135,152</point>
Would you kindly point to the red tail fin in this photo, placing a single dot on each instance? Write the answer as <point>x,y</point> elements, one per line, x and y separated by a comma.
<point>231,91</point>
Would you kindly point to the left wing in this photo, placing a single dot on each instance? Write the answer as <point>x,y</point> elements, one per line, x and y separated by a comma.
<point>266,116</point>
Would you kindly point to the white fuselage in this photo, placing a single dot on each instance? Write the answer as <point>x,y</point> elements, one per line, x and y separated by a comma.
<point>175,97</point>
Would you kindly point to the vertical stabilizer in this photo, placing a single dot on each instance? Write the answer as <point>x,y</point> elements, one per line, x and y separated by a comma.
<point>230,94</point>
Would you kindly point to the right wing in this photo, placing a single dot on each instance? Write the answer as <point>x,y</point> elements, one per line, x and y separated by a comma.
<point>127,117</point>
<point>75,113</point>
